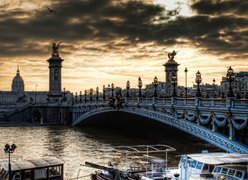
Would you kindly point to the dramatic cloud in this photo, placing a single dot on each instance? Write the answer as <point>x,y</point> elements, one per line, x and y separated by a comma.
<point>128,32</point>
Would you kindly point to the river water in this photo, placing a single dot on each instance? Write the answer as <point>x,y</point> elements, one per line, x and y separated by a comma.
<point>80,144</point>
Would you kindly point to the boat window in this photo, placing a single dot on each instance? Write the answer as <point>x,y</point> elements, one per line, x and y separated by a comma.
<point>224,170</point>
<point>1,172</point>
<point>199,165</point>
<point>205,167</point>
<point>40,173</point>
<point>217,169</point>
<point>239,174</point>
<point>27,174</point>
<point>192,164</point>
<point>17,176</point>
<point>231,172</point>
<point>55,171</point>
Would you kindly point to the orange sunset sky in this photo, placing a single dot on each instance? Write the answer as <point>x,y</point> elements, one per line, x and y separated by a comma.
<point>112,41</point>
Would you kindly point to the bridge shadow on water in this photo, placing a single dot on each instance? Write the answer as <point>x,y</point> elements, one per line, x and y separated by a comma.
<point>119,128</point>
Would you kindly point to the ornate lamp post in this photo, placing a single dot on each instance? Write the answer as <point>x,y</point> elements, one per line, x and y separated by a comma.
<point>103,92</point>
<point>9,149</point>
<point>198,80</point>
<point>186,88</point>
<point>91,92</point>
<point>97,92</point>
<point>174,83</point>
<point>215,92</point>
<point>80,96</point>
<point>230,77</point>
<point>64,92</point>
<point>108,89</point>
<point>155,84</point>
<point>85,95</point>
<point>140,86</point>
<point>128,87</point>
<point>76,96</point>
<point>112,89</point>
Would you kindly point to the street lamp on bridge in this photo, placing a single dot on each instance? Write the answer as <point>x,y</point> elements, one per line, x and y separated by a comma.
<point>186,89</point>
<point>215,91</point>
<point>97,92</point>
<point>9,149</point>
<point>155,84</point>
<point>198,80</point>
<point>64,92</point>
<point>174,83</point>
<point>127,87</point>
<point>140,86</point>
<point>76,98</point>
<point>230,77</point>
<point>85,94</point>
<point>112,89</point>
<point>103,92</point>
<point>91,92</point>
<point>80,96</point>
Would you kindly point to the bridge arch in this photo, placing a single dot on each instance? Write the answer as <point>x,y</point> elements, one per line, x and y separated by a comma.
<point>201,132</point>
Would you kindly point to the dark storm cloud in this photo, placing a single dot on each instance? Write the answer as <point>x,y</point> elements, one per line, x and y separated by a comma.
<point>134,21</point>
<point>233,7</point>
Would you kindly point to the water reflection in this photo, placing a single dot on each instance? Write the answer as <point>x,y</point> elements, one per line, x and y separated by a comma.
<point>77,145</point>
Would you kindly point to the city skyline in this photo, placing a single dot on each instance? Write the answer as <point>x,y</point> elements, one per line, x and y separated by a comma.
<point>112,41</point>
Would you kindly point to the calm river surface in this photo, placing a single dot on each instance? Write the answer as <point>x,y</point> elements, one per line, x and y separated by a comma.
<point>77,145</point>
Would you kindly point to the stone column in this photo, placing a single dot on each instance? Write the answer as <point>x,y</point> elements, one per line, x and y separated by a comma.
<point>214,127</point>
<point>231,130</point>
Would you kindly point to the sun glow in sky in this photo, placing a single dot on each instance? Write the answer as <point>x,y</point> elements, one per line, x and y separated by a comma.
<point>113,41</point>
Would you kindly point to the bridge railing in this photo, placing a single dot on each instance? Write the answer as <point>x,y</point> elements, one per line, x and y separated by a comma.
<point>187,102</point>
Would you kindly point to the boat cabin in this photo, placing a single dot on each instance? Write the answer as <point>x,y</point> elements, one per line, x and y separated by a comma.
<point>36,169</point>
<point>202,165</point>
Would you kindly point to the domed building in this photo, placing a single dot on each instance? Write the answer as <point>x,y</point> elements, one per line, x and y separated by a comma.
<point>17,82</point>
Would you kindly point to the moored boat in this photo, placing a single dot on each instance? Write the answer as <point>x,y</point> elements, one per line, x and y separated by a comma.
<point>50,168</point>
<point>210,166</point>
<point>202,165</point>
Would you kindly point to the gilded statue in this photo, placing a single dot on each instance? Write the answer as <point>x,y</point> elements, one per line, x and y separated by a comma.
<point>171,55</point>
<point>55,49</point>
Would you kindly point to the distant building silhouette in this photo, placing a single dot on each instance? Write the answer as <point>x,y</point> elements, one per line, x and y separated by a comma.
<point>18,82</point>
<point>240,84</point>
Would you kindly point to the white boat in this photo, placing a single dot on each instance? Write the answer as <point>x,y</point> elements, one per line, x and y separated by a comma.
<point>209,166</point>
<point>202,165</point>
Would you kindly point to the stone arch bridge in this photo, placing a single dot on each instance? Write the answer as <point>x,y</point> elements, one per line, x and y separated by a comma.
<point>220,122</point>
